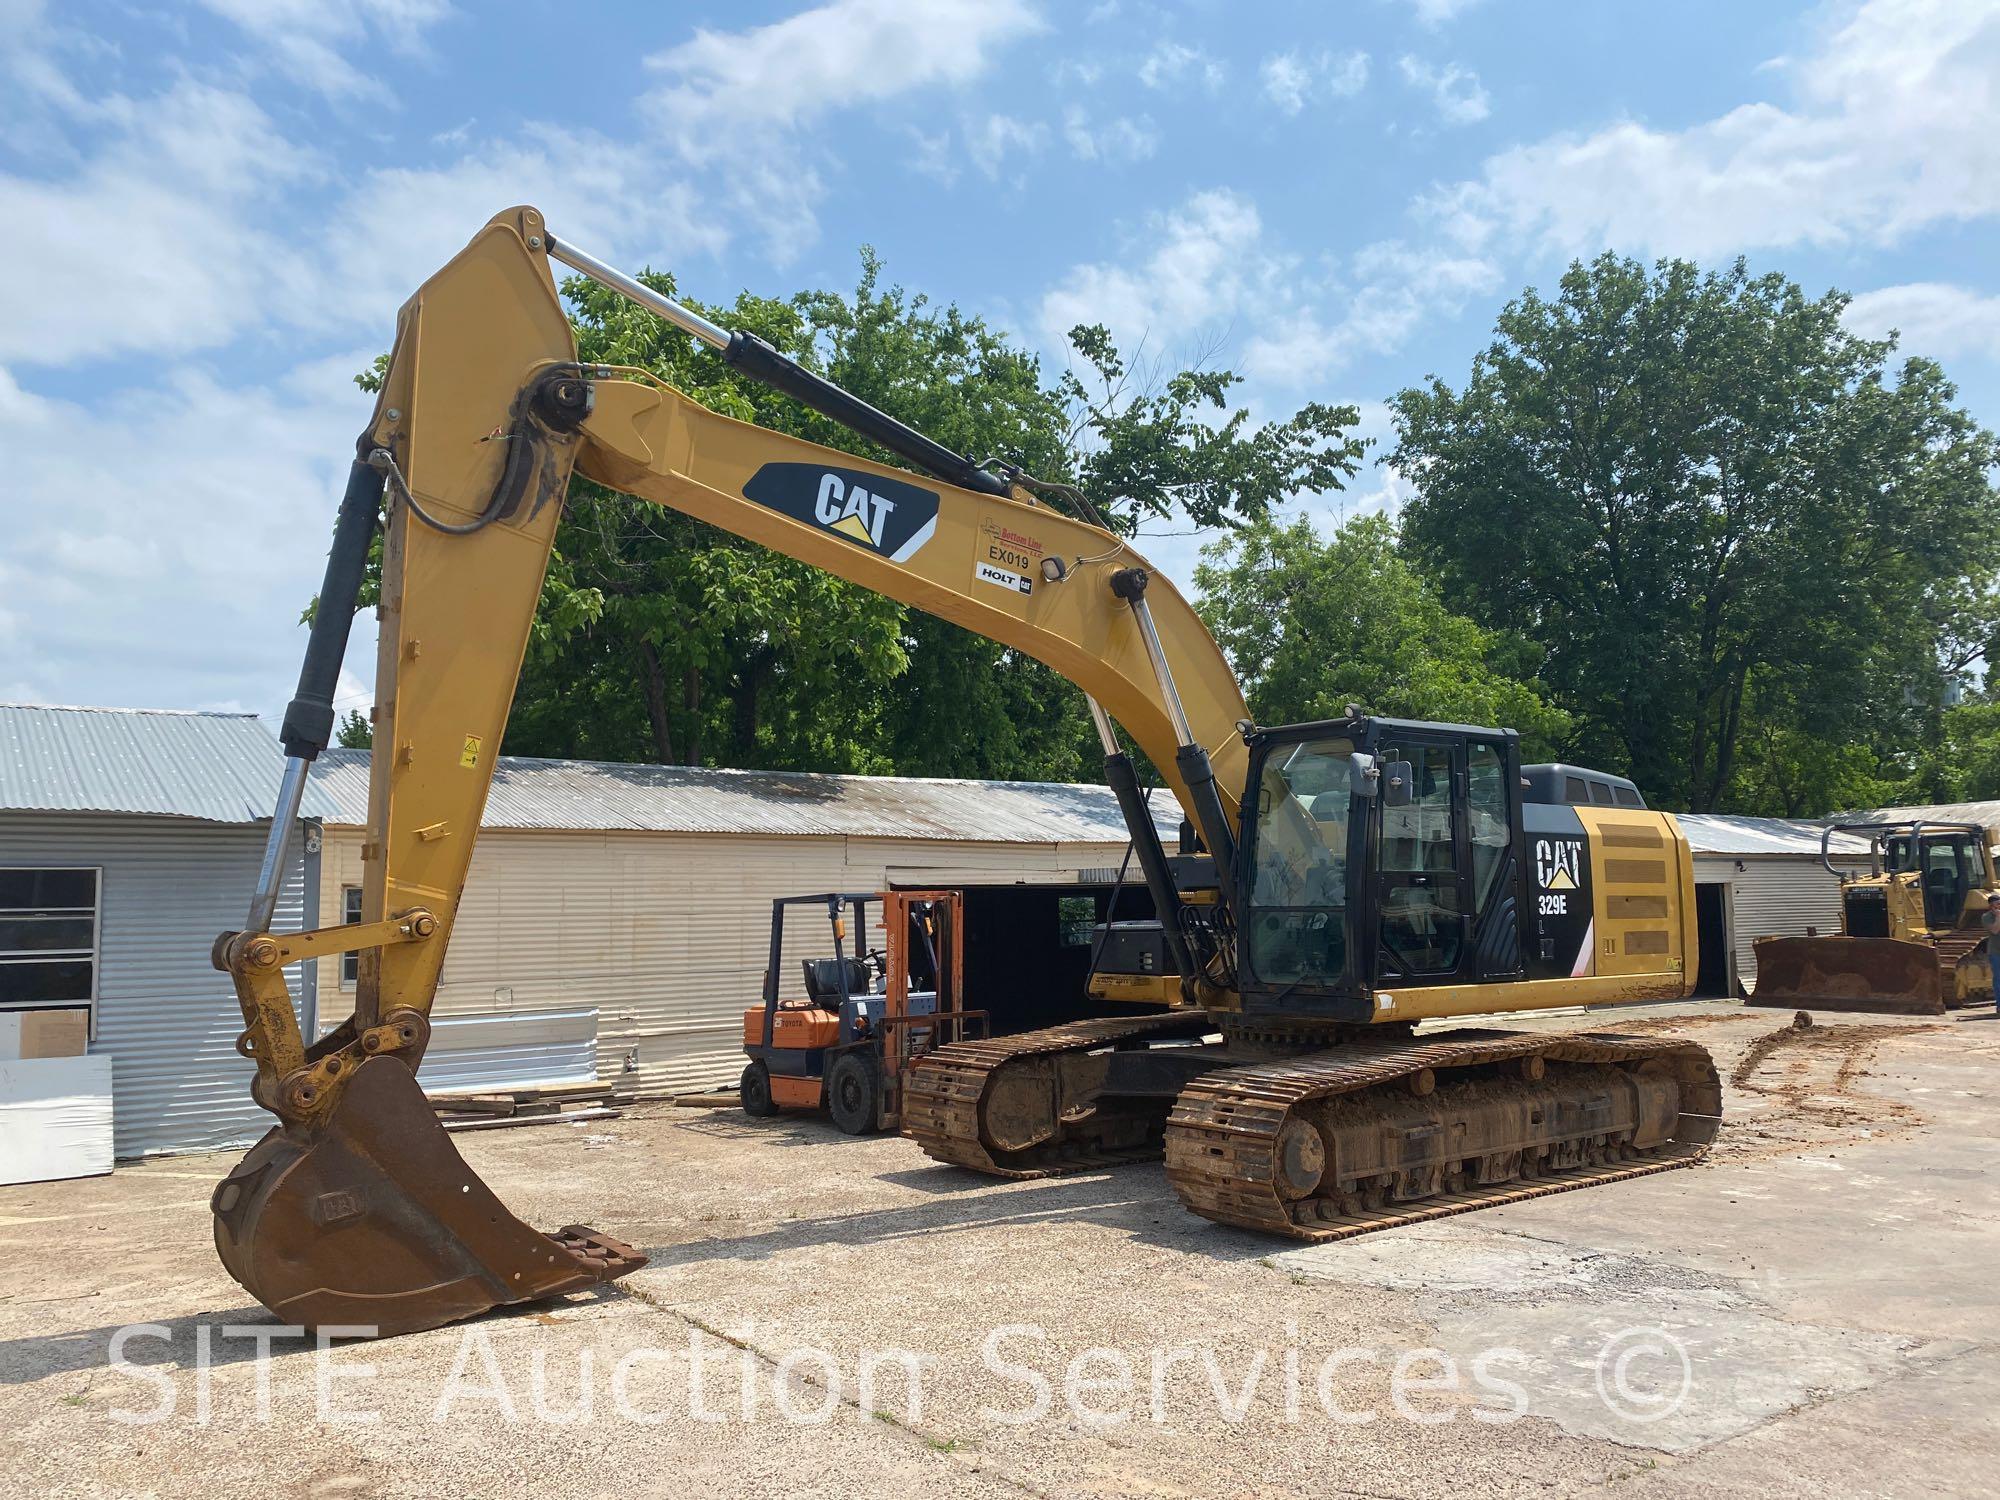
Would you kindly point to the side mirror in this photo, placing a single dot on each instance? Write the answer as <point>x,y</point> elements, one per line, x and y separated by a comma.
<point>1364,776</point>
<point>1398,784</point>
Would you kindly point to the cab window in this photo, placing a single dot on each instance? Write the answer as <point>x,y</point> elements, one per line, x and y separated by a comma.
<point>1421,916</point>
<point>1298,877</point>
<point>1487,816</point>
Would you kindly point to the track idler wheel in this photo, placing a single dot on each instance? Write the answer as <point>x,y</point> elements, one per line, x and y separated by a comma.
<point>370,1220</point>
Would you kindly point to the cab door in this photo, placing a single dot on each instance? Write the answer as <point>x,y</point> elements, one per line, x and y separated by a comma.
<point>1422,905</point>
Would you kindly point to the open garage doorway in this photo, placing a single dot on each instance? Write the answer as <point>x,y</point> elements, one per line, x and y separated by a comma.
<point>1711,915</point>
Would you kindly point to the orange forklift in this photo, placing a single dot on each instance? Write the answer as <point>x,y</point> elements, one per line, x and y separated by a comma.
<point>848,1038</point>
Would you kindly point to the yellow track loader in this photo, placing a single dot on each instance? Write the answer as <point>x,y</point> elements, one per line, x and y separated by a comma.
<point>1349,878</point>
<point>1911,940</point>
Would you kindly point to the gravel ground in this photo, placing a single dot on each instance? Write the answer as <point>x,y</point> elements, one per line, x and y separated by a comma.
<point>1810,1312</point>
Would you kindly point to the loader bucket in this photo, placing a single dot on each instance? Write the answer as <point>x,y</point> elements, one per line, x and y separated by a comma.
<point>371,1220</point>
<point>1885,976</point>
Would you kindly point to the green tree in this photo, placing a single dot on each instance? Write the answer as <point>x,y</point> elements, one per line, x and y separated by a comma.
<point>1313,624</point>
<point>661,638</point>
<point>741,657</point>
<point>1961,765</point>
<point>355,732</point>
<point>1730,526</point>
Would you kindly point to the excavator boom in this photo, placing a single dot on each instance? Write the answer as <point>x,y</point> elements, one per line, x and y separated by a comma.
<point>356,1209</point>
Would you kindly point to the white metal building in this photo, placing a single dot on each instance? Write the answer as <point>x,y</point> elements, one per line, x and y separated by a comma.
<point>1986,814</point>
<point>1760,877</point>
<point>129,838</point>
<point>642,893</point>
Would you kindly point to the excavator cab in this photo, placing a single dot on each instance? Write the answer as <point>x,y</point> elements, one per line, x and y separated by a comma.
<point>1386,853</point>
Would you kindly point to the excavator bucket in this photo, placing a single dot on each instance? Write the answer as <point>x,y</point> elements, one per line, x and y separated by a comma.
<point>1885,976</point>
<point>370,1220</point>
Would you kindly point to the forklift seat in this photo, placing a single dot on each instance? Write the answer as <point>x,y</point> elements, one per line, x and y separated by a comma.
<point>823,979</point>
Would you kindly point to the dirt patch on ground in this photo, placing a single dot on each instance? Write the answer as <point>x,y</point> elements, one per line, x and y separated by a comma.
<point>1808,1078</point>
<point>1598,1022</point>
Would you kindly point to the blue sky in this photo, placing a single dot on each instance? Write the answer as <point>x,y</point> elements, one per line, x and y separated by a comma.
<point>218,206</point>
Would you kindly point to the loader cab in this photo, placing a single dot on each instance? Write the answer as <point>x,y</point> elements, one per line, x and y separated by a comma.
<point>1950,864</point>
<point>1378,853</point>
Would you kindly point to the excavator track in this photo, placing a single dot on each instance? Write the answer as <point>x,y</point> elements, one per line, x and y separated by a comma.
<point>958,1101</point>
<point>1376,1134</point>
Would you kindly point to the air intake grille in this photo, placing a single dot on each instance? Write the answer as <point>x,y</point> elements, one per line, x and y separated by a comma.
<point>1867,912</point>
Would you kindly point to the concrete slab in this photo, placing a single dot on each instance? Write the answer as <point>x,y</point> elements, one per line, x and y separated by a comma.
<point>1827,1277</point>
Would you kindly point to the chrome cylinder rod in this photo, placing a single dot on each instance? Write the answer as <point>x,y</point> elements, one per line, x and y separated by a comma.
<point>1106,735</point>
<point>685,319</point>
<point>271,874</point>
<point>1156,654</point>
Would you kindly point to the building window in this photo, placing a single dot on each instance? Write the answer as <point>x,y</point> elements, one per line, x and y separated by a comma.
<point>1076,920</point>
<point>350,916</point>
<point>48,937</point>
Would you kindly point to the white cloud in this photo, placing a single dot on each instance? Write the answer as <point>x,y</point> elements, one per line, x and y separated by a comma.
<point>1389,291</point>
<point>728,87</point>
<point>933,157</point>
<point>1933,317</point>
<point>1286,81</point>
<point>153,241</point>
<point>1436,13</point>
<point>990,141</point>
<point>1119,140</point>
<point>1290,79</point>
<point>1455,90</point>
<point>307,39</point>
<point>615,200</point>
<point>1206,276</point>
<point>1204,260</point>
<point>1169,62</point>
<point>150,563</point>
<point>1895,126</point>
<point>742,102</point>
<point>182,226</point>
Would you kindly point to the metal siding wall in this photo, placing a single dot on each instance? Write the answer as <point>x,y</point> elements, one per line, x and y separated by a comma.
<point>1771,896</point>
<point>167,1018</point>
<point>666,934</point>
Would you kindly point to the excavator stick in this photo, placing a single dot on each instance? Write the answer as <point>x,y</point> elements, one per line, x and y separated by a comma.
<point>357,1211</point>
<point>1880,976</point>
<point>371,1222</point>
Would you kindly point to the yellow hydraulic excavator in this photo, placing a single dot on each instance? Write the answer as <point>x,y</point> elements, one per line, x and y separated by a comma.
<point>1347,879</point>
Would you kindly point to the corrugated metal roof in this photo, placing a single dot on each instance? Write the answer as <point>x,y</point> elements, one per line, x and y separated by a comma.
<point>222,768</point>
<point>582,794</point>
<point>1719,833</point>
<point>1986,814</point>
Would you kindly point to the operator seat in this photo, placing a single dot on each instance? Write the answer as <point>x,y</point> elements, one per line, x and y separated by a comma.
<point>823,979</point>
